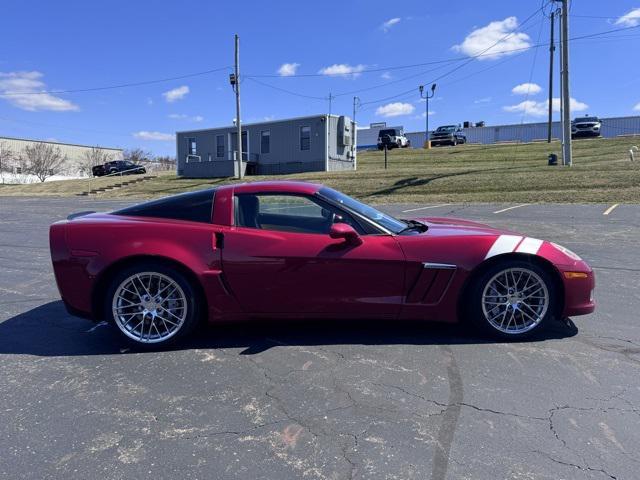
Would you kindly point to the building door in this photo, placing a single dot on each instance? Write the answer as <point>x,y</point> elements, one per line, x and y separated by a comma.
<point>234,145</point>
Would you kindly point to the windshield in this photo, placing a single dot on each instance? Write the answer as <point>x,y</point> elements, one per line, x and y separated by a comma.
<point>446,128</point>
<point>387,221</point>
<point>586,119</point>
<point>391,132</point>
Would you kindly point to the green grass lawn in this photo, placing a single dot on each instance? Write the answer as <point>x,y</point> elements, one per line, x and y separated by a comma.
<point>602,172</point>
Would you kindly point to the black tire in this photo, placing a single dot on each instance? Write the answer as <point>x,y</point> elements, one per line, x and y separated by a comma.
<point>454,142</point>
<point>476,313</point>
<point>191,304</point>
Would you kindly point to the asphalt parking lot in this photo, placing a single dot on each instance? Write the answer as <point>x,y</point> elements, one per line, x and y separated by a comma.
<point>324,400</point>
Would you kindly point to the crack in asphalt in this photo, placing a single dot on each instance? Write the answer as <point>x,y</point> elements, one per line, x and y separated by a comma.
<point>585,468</point>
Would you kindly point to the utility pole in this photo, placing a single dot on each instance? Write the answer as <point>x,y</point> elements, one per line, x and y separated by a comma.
<point>356,104</point>
<point>566,98</point>
<point>552,49</point>
<point>426,114</point>
<point>236,83</point>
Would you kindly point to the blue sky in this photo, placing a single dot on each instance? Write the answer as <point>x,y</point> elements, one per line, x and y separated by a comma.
<point>309,48</point>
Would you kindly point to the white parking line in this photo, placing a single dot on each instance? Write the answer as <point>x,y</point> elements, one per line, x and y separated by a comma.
<point>425,208</point>
<point>511,208</point>
<point>610,209</point>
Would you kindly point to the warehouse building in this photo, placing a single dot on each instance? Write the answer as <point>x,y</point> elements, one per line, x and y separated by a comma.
<point>303,144</point>
<point>525,132</point>
<point>74,165</point>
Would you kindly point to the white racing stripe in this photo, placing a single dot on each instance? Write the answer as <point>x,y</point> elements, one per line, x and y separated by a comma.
<point>503,244</point>
<point>511,208</point>
<point>426,208</point>
<point>529,245</point>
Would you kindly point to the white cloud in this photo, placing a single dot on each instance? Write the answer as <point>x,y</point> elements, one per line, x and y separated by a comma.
<point>182,116</point>
<point>483,100</point>
<point>176,94</point>
<point>21,90</point>
<point>630,19</point>
<point>288,69</point>
<point>395,109</point>
<point>343,70</point>
<point>149,101</point>
<point>146,135</point>
<point>424,114</point>
<point>540,109</point>
<point>637,107</point>
<point>496,40</point>
<point>526,89</point>
<point>386,76</point>
<point>386,26</point>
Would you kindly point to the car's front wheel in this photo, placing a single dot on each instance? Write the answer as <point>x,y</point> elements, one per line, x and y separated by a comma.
<point>513,299</point>
<point>152,305</point>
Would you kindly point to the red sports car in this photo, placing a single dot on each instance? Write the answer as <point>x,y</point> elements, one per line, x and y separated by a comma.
<point>294,249</point>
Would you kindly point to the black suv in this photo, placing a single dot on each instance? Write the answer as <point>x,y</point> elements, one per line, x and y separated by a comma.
<point>118,166</point>
<point>448,135</point>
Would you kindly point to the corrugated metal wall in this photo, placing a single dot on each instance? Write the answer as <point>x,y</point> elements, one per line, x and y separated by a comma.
<point>527,132</point>
<point>530,132</point>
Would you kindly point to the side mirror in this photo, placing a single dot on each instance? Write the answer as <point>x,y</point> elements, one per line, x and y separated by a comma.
<point>343,230</point>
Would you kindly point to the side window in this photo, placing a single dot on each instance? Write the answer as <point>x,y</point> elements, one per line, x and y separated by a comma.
<point>191,146</point>
<point>219,146</point>
<point>265,141</point>
<point>305,138</point>
<point>288,213</point>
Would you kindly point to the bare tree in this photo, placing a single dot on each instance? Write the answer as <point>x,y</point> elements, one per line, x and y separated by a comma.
<point>91,158</point>
<point>43,160</point>
<point>6,155</point>
<point>137,155</point>
<point>165,162</point>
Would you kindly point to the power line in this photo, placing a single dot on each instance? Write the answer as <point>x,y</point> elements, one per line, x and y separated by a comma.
<point>523,49</point>
<point>290,92</point>
<point>112,87</point>
<point>469,59</point>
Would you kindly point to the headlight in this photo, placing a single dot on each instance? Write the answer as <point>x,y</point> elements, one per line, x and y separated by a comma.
<point>567,252</point>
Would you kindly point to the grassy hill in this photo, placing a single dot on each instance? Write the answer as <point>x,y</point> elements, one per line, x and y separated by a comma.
<point>602,172</point>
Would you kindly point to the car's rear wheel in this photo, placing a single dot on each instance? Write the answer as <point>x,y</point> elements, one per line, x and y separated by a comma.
<point>152,305</point>
<point>513,299</point>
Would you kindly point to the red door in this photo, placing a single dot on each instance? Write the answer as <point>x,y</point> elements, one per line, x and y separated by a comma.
<point>311,274</point>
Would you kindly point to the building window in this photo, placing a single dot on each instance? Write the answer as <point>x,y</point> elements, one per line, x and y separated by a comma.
<point>305,138</point>
<point>191,144</point>
<point>219,146</point>
<point>265,141</point>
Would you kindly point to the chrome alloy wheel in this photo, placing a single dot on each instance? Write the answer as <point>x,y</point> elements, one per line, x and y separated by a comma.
<point>149,307</point>
<point>515,300</point>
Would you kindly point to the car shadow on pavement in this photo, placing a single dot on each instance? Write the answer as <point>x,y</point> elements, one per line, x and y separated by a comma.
<point>48,330</point>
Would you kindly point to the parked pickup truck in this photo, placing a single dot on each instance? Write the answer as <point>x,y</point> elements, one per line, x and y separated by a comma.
<point>118,166</point>
<point>448,135</point>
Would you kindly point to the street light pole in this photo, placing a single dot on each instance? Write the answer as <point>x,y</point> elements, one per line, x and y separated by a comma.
<point>426,114</point>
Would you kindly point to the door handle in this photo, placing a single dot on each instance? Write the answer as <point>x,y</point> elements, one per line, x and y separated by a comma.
<point>218,240</point>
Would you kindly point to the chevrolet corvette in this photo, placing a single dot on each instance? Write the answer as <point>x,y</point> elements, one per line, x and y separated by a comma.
<point>301,250</point>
